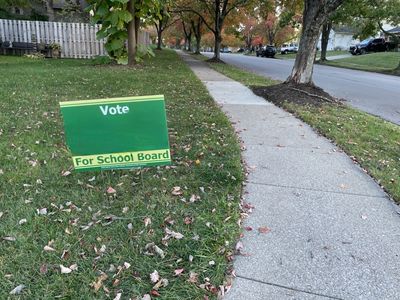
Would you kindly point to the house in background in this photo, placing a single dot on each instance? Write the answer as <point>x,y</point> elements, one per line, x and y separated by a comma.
<point>394,31</point>
<point>340,38</point>
<point>49,10</point>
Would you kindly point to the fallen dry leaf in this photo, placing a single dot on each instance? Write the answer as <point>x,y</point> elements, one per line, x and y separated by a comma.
<point>65,270</point>
<point>162,283</point>
<point>48,248</point>
<point>147,221</point>
<point>22,221</point>
<point>154,277</point>
<point>176,191</point>
<point>155,293</point>
<point>127,265</point>
<point>110,190</point>
<point>99,283</point>
<point>264,229</point>
<point>175,235</point>
<point>42,211</point>
<point>118,296</point>
<point>178,272</point>
<point>43,269</point>
<point>66,173</point>
<point>17,290</point>
<point>193,277</point>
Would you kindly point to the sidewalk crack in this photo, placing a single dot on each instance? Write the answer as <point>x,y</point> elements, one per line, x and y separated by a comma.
<point>318,190</point>
<point>289,288</point>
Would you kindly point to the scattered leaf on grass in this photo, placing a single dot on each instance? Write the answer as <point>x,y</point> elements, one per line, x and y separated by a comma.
<point>118,296</point>
<point>43,269</point>
<point>193,277</point>
<point>17,290</point>
<point>48,248</point>
<point>154,277</point>
<point>175,235</point>
<point>65,270</point>
<point>9,238</point>
<point>22,221</point>
<point>178,272</point>
<point>127,265</point>
<point>66,173</point>
<point>42,211</point>
<point>99,282</point>
<point>176,191</point>
<point>194,198</point>
<point>162,283</point>
<point>147,221</point>
<point>110,190</point>
<point>155,293</point>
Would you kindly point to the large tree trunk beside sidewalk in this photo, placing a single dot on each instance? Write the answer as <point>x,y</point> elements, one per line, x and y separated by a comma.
<point>326,31</point>
<point>316,13</point>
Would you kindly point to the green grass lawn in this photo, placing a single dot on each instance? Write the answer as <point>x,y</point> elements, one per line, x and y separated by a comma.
<point>293,55</point>
<point>373,142</point>
<point>115,240</point>
<point>384,62</point>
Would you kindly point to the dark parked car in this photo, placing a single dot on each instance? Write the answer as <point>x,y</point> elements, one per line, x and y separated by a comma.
<point>371,45</point>
<point>266,51</point>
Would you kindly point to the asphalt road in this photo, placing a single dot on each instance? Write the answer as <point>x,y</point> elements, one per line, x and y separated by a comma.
<point>374,93</point>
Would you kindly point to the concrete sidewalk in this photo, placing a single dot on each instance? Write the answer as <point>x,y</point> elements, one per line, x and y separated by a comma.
<point>334,232</point>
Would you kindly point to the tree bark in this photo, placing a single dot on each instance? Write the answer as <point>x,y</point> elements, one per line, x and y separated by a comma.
<point>159,35</point>
<point>217,46</point>
<point>189,42</point>
<point>316,13</point>
<point>219,21</point>
<point>132,34</point>
<point>50,10</point>
<point>326,31</point>
<point>197,33</point>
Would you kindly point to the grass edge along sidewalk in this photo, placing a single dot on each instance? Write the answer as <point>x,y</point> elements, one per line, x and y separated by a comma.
<point>371,141</point>
<point>379,62</point>
<point>167,231</point>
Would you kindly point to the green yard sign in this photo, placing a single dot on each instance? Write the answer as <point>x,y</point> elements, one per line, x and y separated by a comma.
<point>118,133</point>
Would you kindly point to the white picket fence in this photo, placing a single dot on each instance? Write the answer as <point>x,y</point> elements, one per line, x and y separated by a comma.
<point>77,40</point>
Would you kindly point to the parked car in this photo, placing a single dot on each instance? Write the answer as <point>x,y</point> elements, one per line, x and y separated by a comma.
<point>289,48</point>
<point>266,51</point>
<point>226,50</point>
<point>371,45</point>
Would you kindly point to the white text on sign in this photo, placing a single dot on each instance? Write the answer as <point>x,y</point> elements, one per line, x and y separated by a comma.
<point>114,110</point>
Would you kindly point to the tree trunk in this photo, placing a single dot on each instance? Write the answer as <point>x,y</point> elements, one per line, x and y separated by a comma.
<point>196,27</point>
<point>326,30</point>
<point>198,44</point>
<point>50,10</point>
<point>159,36</point>
<point>217,46</point>
<point>189,42</point>
<point>132,37</point>
<point>316,13</point>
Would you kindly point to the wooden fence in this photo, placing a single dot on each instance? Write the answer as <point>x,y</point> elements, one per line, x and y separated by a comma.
<point>77,40</point>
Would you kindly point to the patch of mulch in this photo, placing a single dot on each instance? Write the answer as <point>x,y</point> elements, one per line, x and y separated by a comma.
<point>303,94</point>
<point>215,60</point>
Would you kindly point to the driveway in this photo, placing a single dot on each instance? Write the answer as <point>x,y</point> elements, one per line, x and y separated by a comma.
<point>374,93</point>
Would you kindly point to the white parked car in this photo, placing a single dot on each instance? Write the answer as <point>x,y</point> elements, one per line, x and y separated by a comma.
<point>289,48</point>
